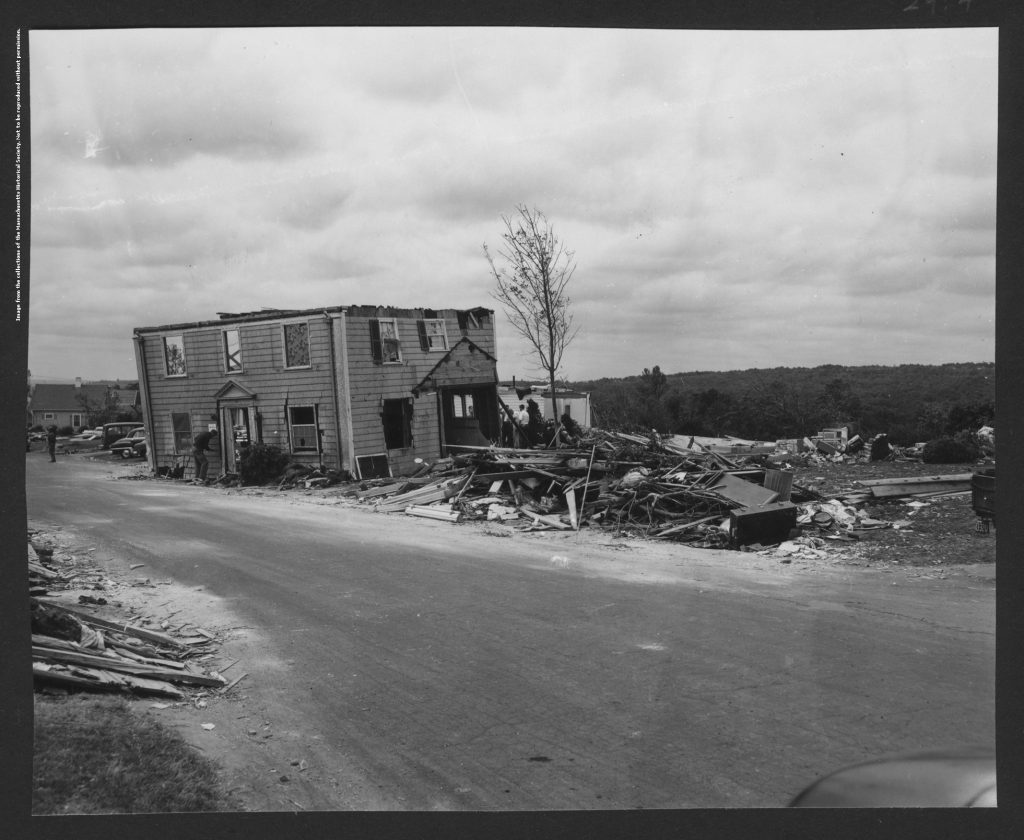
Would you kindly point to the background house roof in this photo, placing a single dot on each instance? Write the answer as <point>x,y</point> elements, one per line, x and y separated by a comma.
<point>63,397</point>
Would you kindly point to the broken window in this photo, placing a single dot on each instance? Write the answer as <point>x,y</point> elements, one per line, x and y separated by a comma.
<point>384,342</point>
<point>472,319</point>
<point>463,405</point>
<point>433,334</point>
<point>232,351</point>
<point>296,345</point>
<point>302,419</point>
<point>397,417</point>
<point>181,424</point>
<point>174,355</point>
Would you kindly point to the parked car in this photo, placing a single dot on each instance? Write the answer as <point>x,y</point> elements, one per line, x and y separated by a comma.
<point>125,447</point>
<point>960,777</point>
<point>139,448</point>
<point>113,432</point>
<point>85,440</point>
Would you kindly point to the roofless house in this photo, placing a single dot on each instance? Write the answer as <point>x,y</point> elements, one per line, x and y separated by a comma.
<point>363,388</point>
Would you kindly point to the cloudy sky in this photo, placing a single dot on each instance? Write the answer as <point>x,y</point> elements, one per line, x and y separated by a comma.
<point>733,199</point>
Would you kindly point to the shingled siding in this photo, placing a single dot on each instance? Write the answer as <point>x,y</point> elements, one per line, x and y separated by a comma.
<point>371,382</point>
<point>263,373</point>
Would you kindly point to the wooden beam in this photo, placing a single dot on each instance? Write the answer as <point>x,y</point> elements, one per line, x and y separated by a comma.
<point>127,629</point>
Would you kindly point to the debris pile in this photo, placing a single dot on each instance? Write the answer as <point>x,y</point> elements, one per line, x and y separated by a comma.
<point>646,486</point>
<point>652,487</point>
<point>73,648</point>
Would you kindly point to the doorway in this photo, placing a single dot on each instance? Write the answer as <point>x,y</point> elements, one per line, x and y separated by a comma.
<point>236,421</point>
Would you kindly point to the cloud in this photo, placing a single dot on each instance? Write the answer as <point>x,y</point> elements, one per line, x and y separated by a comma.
<point>733,198</point>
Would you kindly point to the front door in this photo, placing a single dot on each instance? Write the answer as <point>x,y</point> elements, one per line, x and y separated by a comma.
<point>237,425</point>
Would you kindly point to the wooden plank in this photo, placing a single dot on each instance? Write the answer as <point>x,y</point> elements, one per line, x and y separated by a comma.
<point>781,482</point>
<point>743,492</point>
<point>127,629</point>
<point>917,480</point>
<point>547,520</point>
<point>570,500</point>
<point>913,488</point>
<point>124,665</point>
<point>433,512</point>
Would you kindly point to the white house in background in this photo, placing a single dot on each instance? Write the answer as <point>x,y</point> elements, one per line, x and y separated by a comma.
<point>578,402</point>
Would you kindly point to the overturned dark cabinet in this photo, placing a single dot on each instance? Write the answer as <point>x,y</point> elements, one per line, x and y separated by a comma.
<point>766,524</point>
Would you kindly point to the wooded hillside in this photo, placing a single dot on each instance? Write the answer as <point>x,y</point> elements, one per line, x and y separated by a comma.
<point>910,403</point>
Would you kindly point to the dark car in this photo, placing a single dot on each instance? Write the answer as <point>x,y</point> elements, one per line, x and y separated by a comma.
<point>113,432</point>
<point>961,777</point>
<point>127,447</point>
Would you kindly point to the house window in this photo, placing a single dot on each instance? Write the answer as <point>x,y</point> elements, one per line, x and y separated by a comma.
<point>296,345</point>
<point>397,417</point>
<point>384,341</point>
<point>302,419</point>
<point>49,415</point>
<point>181,424</point>
<point>434,335</point>
<point>174,355</point>
<point>463,405</point>
<point>232,351</point>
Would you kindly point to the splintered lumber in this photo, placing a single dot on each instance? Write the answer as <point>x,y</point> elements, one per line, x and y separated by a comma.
<point>888,487</point>
<point>42,571</point>
<point>382,490</point>
<point>429,512</point>
<point>98,679</point>
<point>547,520</point>
<point>124,665</point>
<point>435,492</point>
<point>570,500</point>
<point>126,650</point>
<point>45,673</point>
<point>686,526</point>
<point>127,629</point>
<point>233,683</point>
<point>53,641</point>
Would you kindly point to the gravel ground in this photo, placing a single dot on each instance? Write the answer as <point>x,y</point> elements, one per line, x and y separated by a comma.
<point>941,533</point>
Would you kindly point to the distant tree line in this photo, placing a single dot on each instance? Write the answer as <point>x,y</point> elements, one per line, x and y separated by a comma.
<point>910,403</point>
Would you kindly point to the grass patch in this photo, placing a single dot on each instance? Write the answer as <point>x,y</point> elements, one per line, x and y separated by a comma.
<point>93,755</point>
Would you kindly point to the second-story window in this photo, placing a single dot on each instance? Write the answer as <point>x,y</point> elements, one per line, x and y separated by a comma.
<point>232,351</point>
<point>433,333</point>
<point>296,345</point>
<point>174,355</point>
<point>386,346</point>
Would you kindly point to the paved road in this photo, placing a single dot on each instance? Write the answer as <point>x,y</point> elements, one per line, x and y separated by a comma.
<point>457,670</point>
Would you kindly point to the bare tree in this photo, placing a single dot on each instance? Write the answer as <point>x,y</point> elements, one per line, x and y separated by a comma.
<point>532,269</point>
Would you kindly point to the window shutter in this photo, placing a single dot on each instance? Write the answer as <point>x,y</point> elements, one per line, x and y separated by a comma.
<point>424,341</point>
<point>375,348</point>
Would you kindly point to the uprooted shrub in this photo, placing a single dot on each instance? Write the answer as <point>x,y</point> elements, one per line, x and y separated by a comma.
<point>949,451</point>
<point>260,463</point>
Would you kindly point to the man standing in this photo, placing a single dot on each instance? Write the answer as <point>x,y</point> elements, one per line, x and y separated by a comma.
<point>202,445</point>
<point>51,443</point>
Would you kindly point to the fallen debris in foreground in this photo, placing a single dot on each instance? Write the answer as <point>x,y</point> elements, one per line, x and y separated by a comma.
<point>76,648</point>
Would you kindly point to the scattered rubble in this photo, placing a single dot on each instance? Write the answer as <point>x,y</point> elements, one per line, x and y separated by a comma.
<point>76,648</point>
<point>673,488</point>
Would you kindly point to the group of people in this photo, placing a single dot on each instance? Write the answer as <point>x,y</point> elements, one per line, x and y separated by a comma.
<point>527,427</point>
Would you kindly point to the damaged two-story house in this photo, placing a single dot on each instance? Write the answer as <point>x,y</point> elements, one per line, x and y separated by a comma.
<point>367,389</point>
